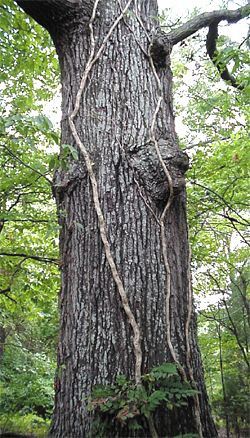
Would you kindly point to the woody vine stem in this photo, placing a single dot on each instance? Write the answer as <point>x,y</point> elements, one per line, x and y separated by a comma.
<point>103,233</point>
<point>167,265</point>
<point>161,222</point>
<point>166,262</point>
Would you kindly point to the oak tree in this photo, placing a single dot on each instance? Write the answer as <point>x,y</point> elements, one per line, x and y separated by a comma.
<point>126,297</point>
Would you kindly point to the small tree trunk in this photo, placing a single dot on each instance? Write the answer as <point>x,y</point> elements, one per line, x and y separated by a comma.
<point>223,382</point>
<point>2,341</point>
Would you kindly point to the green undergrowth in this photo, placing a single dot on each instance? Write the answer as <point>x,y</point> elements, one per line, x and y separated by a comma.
<point>24,424</point>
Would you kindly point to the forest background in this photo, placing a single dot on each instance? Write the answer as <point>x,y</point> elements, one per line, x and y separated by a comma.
<point>213,121</point>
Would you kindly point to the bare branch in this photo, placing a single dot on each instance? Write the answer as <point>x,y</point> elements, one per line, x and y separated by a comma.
<point>33,257</point>
<point>53,3</point>
<point>163,42</point>
<point>204,20</point>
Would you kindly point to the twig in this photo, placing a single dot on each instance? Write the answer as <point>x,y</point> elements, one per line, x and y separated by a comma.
<point>204,143</point>
<point>218,196</point>
<point>26,165</point>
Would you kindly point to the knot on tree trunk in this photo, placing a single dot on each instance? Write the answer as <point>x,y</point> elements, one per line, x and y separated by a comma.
<point>160,49</point>
<point>146,163</point>
<point>65,180</point>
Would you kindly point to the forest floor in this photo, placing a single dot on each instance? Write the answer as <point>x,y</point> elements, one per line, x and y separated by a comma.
<point>222,433</point>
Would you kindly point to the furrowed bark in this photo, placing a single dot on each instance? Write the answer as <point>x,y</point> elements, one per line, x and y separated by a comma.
<point>101,221</point>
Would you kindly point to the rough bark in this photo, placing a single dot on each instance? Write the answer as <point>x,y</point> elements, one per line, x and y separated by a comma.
<point>114,124</point>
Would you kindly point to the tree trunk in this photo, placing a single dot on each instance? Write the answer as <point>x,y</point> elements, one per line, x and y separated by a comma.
<point>2,341</point>
<point>114,123</point>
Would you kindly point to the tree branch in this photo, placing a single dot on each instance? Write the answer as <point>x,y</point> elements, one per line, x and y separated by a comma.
<point>51,13</point>
<point>35,221</point>
<point>4,291</point>
<point>163,42</point>
<point>26,164</point>
<point>212,37</point>
<point>33,257</point>
<point>204,20</point>
<point>223,200</point>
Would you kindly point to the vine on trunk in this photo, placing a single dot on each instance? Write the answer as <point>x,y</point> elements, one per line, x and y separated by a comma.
<point>163,215</point>
<point>166,262</point>
<point>102,226</point>
<point>161,223</point>
<point>188,350</point>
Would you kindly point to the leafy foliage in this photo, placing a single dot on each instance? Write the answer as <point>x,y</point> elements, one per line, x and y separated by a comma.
<point>28,225</point>
<point>28,65</point>
<point>31,376</point>
<point>130,405</point>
